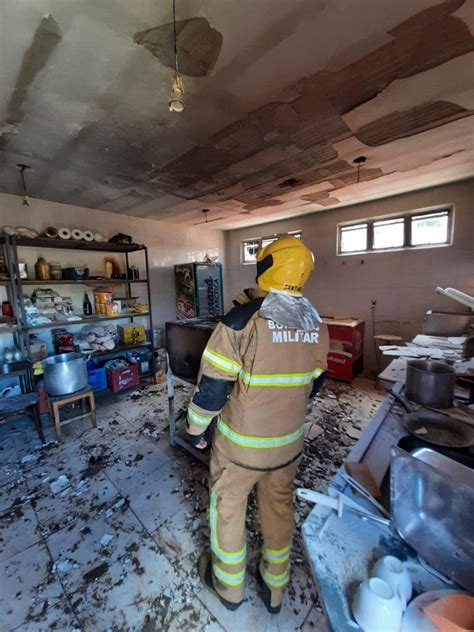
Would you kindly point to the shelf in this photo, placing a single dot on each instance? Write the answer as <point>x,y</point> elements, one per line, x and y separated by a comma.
<point>86,321</point>
<point>8,330</point>
<point>5,282</point>
<point>82,282</point>
<point>73,244</point>
<point>120,348</point>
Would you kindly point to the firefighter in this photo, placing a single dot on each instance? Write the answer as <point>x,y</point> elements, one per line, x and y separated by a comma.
<point>262,363</point>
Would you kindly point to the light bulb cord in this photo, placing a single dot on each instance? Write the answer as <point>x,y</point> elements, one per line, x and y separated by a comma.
<point>175,38</point>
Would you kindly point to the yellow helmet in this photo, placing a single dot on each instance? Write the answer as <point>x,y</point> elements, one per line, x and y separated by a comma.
<point>284,265</point>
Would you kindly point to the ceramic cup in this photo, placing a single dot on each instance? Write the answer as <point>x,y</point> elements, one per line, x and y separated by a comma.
<point>392,570</point>
<point>376,607</point>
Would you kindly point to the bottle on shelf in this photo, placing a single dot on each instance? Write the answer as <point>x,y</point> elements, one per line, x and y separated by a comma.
<point>8,355</point>
<point>87,305</point>
<point>17,355</point>
<point>42,270</point>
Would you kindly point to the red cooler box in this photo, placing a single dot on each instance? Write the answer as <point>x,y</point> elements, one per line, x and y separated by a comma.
<point>346,348</point>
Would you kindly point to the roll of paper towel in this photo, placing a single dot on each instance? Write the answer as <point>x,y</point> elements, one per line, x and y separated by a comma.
<point>64,233</point>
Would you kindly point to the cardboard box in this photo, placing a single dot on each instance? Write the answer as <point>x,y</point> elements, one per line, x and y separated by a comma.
<point>131,334</point>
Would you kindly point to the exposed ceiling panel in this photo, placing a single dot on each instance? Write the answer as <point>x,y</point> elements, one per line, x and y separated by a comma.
<point>278,104</point>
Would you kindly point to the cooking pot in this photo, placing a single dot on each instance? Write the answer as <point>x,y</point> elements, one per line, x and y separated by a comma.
<point>430,383</point>
<point>65,373</point>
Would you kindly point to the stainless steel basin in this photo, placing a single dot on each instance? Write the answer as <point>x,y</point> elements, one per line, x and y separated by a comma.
<point>432,504</point>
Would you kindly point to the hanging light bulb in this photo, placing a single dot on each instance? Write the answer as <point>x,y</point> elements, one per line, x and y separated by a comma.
<point>176,102</point>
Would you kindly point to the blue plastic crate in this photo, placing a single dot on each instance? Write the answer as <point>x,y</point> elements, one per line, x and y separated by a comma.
<point>97,376</point>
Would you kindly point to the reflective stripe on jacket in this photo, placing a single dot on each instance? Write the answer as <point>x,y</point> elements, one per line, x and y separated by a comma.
<point>270,369</point>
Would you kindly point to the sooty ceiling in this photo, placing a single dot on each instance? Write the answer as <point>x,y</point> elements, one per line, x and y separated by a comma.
<point>281,97</point>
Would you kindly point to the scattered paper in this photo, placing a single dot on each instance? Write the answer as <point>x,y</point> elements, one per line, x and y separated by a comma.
<point>29,458</point>
<point>106,539</point>
<point>63,566</point>
<point>59,484</point>
<point>421,431</point>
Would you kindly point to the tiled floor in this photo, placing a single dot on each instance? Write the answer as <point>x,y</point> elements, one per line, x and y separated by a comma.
<point>102,531</point>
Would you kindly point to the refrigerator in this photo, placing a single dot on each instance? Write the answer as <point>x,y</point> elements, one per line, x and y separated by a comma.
<point>199,291</point>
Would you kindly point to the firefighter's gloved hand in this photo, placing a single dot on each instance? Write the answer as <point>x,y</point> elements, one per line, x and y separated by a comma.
<point>197,441</point>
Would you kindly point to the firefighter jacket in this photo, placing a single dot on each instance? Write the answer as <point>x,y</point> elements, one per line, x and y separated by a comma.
<point>256,377</point>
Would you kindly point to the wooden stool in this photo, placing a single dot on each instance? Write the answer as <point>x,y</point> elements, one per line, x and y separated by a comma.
<point>86,396</point>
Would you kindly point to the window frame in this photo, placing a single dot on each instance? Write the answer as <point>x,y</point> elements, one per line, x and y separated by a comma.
<point>259,240</point>
<point>407,219</point>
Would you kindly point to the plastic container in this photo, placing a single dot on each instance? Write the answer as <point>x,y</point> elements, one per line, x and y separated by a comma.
<point>75,274</point>
<point>97,376</point>
<point>157,338</point>
<point>42,270</point>
<point>123,379</point>
<point>103,297</point>
<point>112,309</point>
<point>142,358</point>
<point>55,271</point>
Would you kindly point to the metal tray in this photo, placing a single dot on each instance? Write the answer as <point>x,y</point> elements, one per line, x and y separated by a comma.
<point>432,506</point>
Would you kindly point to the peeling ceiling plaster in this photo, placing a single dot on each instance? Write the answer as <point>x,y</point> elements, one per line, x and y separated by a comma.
<point>278,104</point>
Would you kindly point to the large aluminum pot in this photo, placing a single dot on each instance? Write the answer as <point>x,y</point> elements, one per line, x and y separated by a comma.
<point>65,374</point>
<point>430,383</point>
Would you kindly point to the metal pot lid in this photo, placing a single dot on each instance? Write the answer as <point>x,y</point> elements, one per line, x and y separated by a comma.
<point>439,429</point>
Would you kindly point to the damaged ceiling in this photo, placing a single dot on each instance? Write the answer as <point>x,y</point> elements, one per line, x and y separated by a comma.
<point>279,103</point>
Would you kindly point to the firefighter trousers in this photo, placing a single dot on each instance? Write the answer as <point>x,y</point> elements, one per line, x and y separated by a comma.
<point>230,486</point>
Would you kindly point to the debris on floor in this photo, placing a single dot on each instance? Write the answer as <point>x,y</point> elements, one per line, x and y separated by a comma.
<point>103,530</point>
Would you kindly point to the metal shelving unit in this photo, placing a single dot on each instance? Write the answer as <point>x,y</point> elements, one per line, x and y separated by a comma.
<point>16,295</point>
<point>9,284</point>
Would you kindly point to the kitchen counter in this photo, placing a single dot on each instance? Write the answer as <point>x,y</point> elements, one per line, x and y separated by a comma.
<point>342,551</point>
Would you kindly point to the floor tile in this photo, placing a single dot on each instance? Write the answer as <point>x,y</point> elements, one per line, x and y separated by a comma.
<point>153,498</point>
<point>120,598</point>
<point>136,459</point>
<point>84,499</point>
<point>11,495</point>
<point>9,472</point>
<point>26,580</point>
<point>182,534</point>
<point>83,546</point>
<point>50,615</point>
<point>315,621</point>
<point>177,609</point>
<point>18,527</point>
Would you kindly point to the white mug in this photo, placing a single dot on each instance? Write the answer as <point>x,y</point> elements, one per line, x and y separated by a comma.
<point>376,607</point>
<point>392,570</point>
